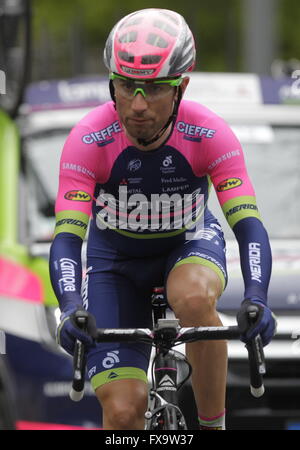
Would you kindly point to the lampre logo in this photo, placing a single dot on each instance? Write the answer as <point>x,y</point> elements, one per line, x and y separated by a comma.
<point>78,196</point>
<point>229,183</point>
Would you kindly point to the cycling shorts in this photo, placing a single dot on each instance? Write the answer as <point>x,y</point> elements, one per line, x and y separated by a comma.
<point>117,291</point>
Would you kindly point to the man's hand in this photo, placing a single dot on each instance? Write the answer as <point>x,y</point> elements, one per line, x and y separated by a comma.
<point>265,323</point>
<point>68,330</point>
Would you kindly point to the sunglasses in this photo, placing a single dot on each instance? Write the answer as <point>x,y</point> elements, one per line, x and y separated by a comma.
<point>150,90</point>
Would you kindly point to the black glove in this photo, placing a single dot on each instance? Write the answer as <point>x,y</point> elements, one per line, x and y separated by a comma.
<point>69,329</point>
<point>264,324</point>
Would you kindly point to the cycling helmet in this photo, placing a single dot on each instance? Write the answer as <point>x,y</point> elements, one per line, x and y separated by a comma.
<point>150,43</point>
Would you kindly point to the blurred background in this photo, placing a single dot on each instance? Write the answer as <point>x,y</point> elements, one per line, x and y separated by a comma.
<point>231,35</point>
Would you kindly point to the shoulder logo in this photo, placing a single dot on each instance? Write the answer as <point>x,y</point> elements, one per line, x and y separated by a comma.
<point>78,196</point>
<point>104,136</point>
<point>229,183</point>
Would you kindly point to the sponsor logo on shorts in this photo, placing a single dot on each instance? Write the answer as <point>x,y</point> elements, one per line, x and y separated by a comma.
<point>111,359</point>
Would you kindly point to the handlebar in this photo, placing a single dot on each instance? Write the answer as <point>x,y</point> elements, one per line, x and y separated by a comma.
<point>168,333</point>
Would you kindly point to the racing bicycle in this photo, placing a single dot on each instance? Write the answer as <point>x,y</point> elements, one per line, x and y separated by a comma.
<point>167,375</point>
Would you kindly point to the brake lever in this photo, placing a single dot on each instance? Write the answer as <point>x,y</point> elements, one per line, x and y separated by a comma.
<point>79,360</point>
<point>256,358</point>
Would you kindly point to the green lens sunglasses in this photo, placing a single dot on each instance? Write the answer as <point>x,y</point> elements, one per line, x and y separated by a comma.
<point>152,89</point>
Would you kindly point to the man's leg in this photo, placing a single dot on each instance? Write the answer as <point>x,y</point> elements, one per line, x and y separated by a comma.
<point>192,291</point>
<point>124,404</point>
<point>118,371</point>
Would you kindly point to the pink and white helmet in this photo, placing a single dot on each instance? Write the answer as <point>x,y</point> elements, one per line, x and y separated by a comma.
<point>150,43</point>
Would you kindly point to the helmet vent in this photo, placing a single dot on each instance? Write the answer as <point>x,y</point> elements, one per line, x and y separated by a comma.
<point>128,37</point>
<point>125,56</point>
<point>151,59</point>
<point>157,41</point>
<point>131,22</point>
<point>165,27</point>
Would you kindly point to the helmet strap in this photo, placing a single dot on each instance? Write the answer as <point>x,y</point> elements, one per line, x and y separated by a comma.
<point>112,92</point>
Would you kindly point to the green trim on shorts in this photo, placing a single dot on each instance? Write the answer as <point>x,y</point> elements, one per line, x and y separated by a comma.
<point>206,263</point>
<point>120,373</point>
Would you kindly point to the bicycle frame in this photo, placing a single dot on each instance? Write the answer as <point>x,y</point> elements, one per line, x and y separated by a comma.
<point>164,412</point>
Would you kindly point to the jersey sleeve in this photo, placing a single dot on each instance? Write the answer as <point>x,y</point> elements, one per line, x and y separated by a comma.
<point>77,180</point>
<point>227,170</point>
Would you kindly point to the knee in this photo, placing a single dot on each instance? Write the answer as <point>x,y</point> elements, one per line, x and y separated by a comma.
<point>125,416</point>
<point>123,409</point>
<point>194,302</point>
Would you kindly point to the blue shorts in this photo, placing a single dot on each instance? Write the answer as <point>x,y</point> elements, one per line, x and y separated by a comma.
<point>117,290</point>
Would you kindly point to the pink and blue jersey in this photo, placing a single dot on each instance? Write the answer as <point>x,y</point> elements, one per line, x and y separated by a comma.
<point>143,203</point>
<point>146,212</point>
<point>100,168</point>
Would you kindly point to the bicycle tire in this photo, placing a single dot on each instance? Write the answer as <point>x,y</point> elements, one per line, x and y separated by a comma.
<point>15,52</point>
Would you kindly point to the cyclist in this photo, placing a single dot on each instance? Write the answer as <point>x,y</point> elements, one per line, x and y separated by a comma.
<point>148,147</point>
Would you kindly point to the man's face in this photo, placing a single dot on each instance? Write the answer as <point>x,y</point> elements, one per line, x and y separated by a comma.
<point>143,115</point>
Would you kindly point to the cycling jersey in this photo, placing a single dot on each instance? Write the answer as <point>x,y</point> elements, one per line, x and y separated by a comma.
<point>147,212</point>
<point>100,165</point>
